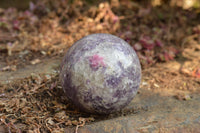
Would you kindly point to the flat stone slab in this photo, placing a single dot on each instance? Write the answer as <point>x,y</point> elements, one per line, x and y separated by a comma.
<point>47,67</point>
<point>152,113</point>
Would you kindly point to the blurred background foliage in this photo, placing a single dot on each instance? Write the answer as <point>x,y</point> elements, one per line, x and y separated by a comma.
<point>185,4</point>
<point>157,29</point>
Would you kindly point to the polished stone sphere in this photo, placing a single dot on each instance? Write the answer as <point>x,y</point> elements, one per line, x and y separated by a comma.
<point>100,73</point>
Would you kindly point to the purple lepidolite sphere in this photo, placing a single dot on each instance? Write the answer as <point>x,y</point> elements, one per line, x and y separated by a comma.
<point>100,73</point>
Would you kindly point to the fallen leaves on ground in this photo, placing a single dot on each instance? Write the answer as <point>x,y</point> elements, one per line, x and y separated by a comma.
<point>34,102</point>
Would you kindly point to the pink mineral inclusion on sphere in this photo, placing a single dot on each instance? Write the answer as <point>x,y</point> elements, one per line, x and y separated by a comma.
<point>96,61</point>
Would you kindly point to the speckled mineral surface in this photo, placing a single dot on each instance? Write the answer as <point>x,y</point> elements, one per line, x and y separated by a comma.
<point>100,73</point>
